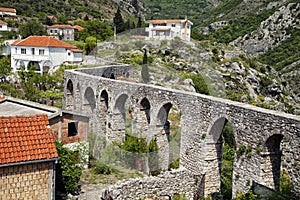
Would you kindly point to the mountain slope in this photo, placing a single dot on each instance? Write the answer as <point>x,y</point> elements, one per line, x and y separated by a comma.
<point>70,9</point>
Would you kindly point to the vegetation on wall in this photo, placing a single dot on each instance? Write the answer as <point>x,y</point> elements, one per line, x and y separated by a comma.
<point>68,171</point>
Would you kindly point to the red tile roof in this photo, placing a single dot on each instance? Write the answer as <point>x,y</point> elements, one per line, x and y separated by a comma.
<point>161,21</point>
<point>2,22</point>
<point>12,10</point>
<point>76,50</point>
<point>79,28</point>
<point>25,139</point>
<point>42,41</point>
<point>61,26</point>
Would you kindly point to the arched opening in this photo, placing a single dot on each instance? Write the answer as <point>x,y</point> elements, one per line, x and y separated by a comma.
<point>168,135</point>
<point>69,95</point>
<point>220,147</point>
<point>34,65</point>
<point>112,76</point>
<point>141,118</point>
<point>145,106</point>
<point>271,161</point>
<point>89,100</point>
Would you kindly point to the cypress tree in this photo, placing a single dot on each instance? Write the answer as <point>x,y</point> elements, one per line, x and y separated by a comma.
<point>145,70</point>
<point>118,21</point>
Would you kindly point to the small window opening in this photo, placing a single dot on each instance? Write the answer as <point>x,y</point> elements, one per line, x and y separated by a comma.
<point>72,129</point>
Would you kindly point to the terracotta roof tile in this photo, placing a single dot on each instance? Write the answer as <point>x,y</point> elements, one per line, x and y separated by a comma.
<point>43,41</point>
<point>2,22</point>
<point>79,28</point>
<point>61,26</point>
<point>12,10</point>
<point>17,145</point>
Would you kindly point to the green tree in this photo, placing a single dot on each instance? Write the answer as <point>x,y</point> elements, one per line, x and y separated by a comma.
<point>118,21</point>
<point>32,27</point>
<point>90,44</point>
<point>5,68</point>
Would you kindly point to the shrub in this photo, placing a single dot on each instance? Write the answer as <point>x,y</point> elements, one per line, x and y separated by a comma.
<point>68,171</point>
<point>101,168</point>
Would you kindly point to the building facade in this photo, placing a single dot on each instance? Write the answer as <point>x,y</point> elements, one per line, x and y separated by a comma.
<point>169,29</point>
<point>61,32</point>
<point>44,53</point>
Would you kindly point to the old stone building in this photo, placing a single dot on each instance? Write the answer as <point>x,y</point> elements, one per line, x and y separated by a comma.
<point>267,141</point>
<point>27,158</point>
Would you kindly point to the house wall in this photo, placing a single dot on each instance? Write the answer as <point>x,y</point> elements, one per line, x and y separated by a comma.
<point>59,127</point>
<point>28,181</point>
<point>3,27</point>
<point>177,31</point>
<point>7,13</point>
<point>62,33</point>
<point>16,56</point>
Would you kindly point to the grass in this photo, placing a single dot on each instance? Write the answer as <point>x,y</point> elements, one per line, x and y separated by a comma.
<point>89,176</point>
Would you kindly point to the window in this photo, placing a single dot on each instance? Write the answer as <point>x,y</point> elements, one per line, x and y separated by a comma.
<point>16,50</point>
<point>41,52</point>
<point>69,53</point>
<point>23,51</point>
<point>0,26</point>
<point>32,51</point>
<point>51,31</point>
<point>173,25</point>
<point>72,129</point>
<point>55,31</point>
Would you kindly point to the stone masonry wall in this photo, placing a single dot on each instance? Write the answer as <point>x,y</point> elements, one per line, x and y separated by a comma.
<point>28,181</point>
<point>166,184</point>
<point>202,120</point>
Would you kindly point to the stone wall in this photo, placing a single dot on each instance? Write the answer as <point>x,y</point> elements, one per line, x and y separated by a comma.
<point>27,181</point>
<point>202,120</point>
<point>166,184</point>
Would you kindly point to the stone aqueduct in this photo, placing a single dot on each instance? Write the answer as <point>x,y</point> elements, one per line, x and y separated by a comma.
<point>272,137</point>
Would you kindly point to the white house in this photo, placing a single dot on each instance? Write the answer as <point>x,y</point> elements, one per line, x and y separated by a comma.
<point>3,26</point>
<point>45,53</point>
<point>8,11</point>
<point>169,29</point>
<point>61,32</point>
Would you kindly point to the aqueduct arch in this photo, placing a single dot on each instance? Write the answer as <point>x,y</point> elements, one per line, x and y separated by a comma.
<point>200,115</point>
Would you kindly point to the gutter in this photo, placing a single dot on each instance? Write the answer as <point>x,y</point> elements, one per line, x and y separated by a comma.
<point>29,162</point>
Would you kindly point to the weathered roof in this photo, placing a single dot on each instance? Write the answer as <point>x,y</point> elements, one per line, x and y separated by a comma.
<point>2,22</point>
<point>12,10</point>
<point>25,139</point>
<point>79,28</point>
<point>162,21</point>
<point>61,26</point>
<point>43,41</point>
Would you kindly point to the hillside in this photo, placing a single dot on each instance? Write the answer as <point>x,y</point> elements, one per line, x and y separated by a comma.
<point>70,9</point>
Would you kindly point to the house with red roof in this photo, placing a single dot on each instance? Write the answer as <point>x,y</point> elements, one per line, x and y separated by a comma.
<point>61,32</point>
<point>8,11</point>
<point>3,26</point>
<point>27,158</point>
<point>44,53</point>
<point>169,29</point>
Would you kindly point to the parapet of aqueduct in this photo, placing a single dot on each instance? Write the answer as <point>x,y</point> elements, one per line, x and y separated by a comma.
<point>274,137</point>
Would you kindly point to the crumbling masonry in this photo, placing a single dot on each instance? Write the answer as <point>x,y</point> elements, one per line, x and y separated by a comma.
<point>273,138</point>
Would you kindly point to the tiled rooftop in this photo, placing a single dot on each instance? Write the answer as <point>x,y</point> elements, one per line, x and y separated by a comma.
<point>12,10</point>
<point>43,41</point>
<point>25,139</point>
